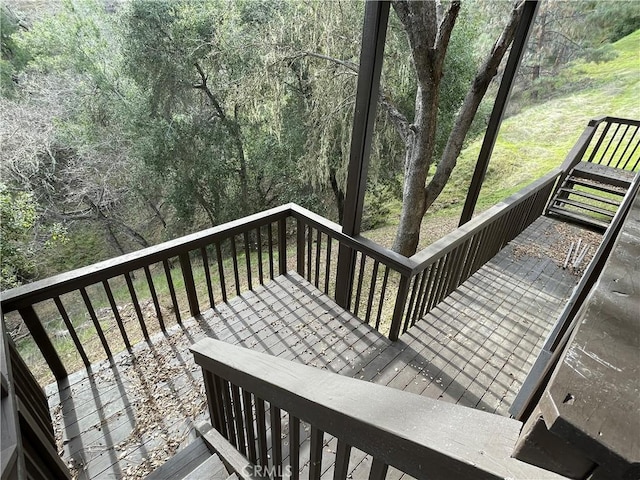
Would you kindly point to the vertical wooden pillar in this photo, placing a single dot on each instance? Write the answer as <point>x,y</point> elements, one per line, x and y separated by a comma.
<point>515,56</point>
<point>371,57</point>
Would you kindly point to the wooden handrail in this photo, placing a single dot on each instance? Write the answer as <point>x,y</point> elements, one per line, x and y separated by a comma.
<point>398,262</point>
<point>394,283</point>
<point>69,281</point>
<point>456,238</point>
<point>420,436</point>
<point>558,338</point>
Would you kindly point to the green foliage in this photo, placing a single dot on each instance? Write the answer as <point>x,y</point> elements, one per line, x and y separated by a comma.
<point>17,220</point>
<point>377,207</point>
<point>613,20</point>
<point>13,57</point>
<point>22,239</point>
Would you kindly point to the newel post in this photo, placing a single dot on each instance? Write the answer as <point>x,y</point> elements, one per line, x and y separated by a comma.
<point>189,283</point>
<point>398,311</point>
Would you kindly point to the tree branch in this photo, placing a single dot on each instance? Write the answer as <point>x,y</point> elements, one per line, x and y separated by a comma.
<point>397,118</point>
<point>474,96</point>
<point>205,88</point>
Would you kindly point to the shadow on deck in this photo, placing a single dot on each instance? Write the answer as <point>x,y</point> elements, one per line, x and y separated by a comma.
<point>475,349</point>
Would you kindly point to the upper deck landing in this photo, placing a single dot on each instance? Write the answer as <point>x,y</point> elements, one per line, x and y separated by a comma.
<point>474,349</point>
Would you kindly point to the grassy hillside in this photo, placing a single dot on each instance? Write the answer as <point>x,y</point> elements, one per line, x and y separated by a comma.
<point>537,139</point>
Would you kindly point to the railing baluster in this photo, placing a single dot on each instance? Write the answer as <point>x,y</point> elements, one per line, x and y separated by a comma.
<point>624,134</point>
<point>172,291</point>
<point>309,246</point>
<point>372,288</point>
<point>116,314</point>
<point>154,297</point>
<point>262,431</point>
<point>207,275</point>
<point>276,439</point>
<point>218,386</point>
<point>341,468</point>
<point>318,244</point>
<point>72,331</point>
<point>259,240</point>
<point>228,409</point>
<point>96,323</point>
<point>189,283</point>
<point>282,245</point>
<point>418,304</point>
<point>234,258</point>
<point>356,306</point>
<point>223,281</point>
<point>414,291</point>
<point>627,148</point>
<point>239,418</point>
<point>136,305</point>
<point>398,309</point>
<point>599,142</point>
<point>611,139</point>
<point>445,263</point>
<point>248,421</point>
<point>460,253</point>
<point>383,292</point>
<point>300,233</point>
<point>294,446</point>
<point>467,267</point>
<point>378,470</point>
<point>247,256</point>
<point>327,271</point>
<point>315,461</point>
<point>270,234</point>
<point>214,402</point>
<point>427,290</point>
<point>437,276</point>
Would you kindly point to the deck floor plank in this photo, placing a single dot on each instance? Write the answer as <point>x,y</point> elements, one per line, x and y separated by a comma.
<point>474,349</point>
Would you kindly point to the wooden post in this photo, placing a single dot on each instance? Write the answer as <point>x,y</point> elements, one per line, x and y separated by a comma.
<point>189,284</point>
<point>513,62</point>
<point>282,246</point>
<point>371,57</point>
<point>300,228</point>
<point>41,338</point>
<point>398,311</point>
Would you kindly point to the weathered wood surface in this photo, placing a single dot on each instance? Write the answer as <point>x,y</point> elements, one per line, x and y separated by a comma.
<point>474,349</point>
<point>424,437</point>
<point>592,400</point>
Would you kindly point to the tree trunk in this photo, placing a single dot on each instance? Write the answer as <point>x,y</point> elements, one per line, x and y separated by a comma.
<point>338,194</point>
<point>429,40</point>
<point>428,62</point>
<point>418,154</point>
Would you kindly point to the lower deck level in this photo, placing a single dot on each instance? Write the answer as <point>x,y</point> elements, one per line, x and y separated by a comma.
<point>124,419</point>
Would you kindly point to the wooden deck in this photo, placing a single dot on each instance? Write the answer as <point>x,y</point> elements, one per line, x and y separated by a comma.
<point>475,348</point>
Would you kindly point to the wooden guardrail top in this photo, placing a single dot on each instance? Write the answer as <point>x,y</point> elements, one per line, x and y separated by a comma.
<point>592,399</point>
<point>421,436</point>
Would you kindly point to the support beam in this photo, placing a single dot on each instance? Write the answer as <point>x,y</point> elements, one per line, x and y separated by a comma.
<point>371,57</point>
<point>513,63</point>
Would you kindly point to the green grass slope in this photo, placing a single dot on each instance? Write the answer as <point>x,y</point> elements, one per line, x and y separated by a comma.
<point>537,139</point>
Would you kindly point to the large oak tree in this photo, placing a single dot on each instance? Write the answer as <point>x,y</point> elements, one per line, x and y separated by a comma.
<point>429,26</point>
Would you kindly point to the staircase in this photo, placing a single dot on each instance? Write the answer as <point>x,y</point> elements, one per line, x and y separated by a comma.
<point>591,194</point>
<point>194,462</point>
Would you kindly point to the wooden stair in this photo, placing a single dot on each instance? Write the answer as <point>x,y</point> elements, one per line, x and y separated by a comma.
<point>591,194</point>
<point>194,462</point>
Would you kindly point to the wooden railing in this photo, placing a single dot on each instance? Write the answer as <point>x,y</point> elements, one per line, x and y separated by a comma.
<point>609,141</point>
<point>296,421</point>
<point>134,295</point>
<point>443,266</point>
<point>616,144</point>
<point>28,443</point>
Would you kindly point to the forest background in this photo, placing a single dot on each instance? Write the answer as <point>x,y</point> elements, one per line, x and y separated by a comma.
<point>124,124</point>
